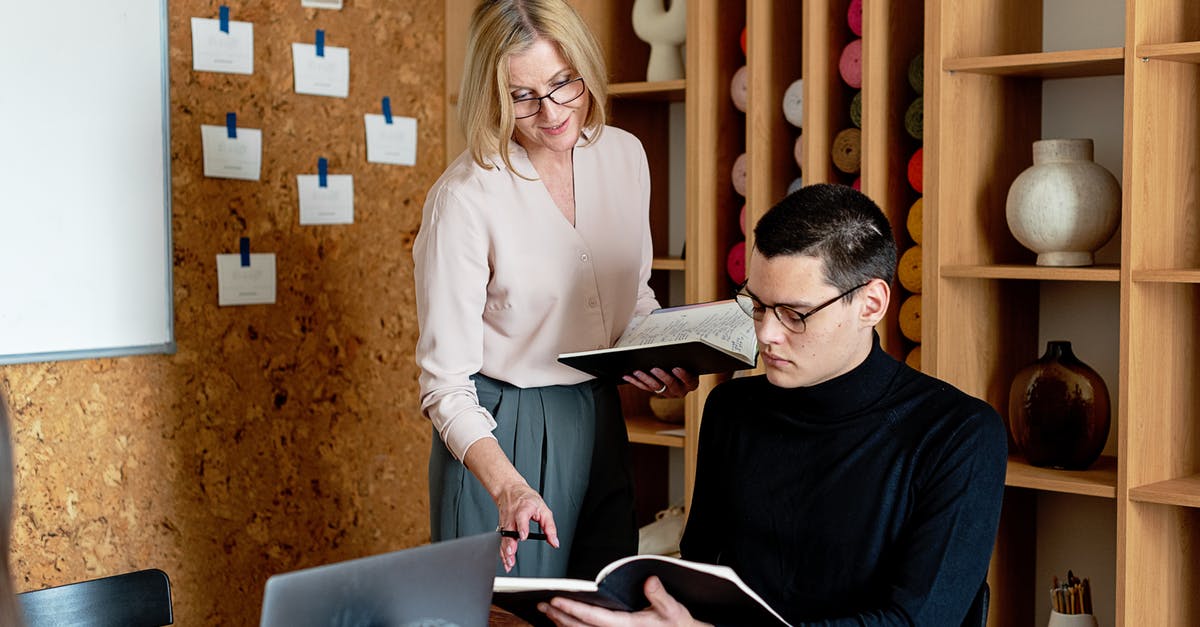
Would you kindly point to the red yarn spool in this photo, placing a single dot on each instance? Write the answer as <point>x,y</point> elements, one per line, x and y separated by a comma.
<point>735,263</point>
<point>857,184</point>
<point>854,17</point>
<point>850,65</point>
<point>916,174</point>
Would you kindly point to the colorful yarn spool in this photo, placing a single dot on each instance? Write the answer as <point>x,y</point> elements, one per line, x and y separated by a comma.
<point>850,64</point>
<point>856,109</point>
<point>739,175</point>
<point>796,184</point>
<point>857,184</point>
<point>910,318</point>
<point>847,150</point>
<point>915,173</point>
<point>909,269</point>
<point>798,151</point>
<point>914,118</point>
<point>793,103</point>
<point>739,88</point>
<point>915,220</point>
<point>913,360</point>
<point>743,38</point>
<point>916,73</point>
<point>735,263</point>
<point>854,17</point>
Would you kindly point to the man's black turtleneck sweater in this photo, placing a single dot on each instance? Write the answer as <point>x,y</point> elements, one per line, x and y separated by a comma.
<point>869,499</point>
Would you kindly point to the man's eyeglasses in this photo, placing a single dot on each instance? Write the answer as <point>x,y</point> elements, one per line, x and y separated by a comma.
<point>561,95</point>
<point>791,319</point>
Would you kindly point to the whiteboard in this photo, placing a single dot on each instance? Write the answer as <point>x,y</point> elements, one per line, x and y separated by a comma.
<point>85,192</point>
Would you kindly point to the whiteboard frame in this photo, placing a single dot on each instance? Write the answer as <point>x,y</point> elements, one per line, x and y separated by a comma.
<point>168,346</point>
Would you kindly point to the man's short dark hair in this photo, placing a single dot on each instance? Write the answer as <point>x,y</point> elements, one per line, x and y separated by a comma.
<point>835,223</point>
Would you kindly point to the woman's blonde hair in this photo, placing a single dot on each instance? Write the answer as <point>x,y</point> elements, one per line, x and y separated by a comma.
<point>501,29</point>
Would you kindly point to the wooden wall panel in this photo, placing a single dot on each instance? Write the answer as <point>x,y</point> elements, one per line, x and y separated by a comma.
<point>278,436</point>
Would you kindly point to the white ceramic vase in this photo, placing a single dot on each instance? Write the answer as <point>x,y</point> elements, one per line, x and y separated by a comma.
<point>1065,206</point>
<point>664,29</point>
<point>1071,620</point>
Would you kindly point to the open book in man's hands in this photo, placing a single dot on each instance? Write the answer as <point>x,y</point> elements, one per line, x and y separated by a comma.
<point>713,594</point>
<point>702,339</point>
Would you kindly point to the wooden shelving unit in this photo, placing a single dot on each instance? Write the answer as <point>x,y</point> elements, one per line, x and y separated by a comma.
<point>984,73</point>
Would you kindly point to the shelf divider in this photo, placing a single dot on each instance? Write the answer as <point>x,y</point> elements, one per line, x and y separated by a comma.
<point>1100,480</point>
<point>1184,492</point>
<point>1064,64</point>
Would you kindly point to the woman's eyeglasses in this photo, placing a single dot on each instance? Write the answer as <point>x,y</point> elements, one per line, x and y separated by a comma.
<point>561,95</point>
<point>791,319</point>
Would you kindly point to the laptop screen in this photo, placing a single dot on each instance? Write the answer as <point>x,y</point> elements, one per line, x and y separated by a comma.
<point>444,584</point>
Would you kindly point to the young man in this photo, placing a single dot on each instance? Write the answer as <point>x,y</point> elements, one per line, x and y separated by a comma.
<point>843,486</point>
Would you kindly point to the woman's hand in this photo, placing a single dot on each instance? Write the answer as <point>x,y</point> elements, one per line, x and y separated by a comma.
<point>663,610</point>
<point>674,384</point>
<point>519,504</point>
<point>516,501</point>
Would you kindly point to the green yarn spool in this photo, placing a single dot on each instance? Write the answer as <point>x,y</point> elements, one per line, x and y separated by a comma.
<point>856,109</point>
<point>914,118</point>
<point>916,73</point>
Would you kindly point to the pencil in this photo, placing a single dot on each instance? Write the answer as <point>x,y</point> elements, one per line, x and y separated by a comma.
<point>510,533</point>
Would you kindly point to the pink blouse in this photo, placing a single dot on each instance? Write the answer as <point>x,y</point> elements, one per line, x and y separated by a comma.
<point>504,283</point>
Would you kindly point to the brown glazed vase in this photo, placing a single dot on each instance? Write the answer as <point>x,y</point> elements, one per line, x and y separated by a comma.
<point>1058,410</point>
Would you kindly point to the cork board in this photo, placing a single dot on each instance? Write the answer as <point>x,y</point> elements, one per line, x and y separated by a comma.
<point>277,436</point>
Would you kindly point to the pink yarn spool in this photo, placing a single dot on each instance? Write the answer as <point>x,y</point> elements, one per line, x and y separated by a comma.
<point>916,175</point>
<point>850,65</point>
<point>735,263</point>
<point>857,184</point>
<point>854,17</point>
<point>739,88</point>
<point>739,175</point>
<point>798,151</point>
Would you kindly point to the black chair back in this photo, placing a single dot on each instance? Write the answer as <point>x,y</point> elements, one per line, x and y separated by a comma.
<point>137,599</point>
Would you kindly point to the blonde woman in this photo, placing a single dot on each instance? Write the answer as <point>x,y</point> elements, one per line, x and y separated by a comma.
<point>534,242</point>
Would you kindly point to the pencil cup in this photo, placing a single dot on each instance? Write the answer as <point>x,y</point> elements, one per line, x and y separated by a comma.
<point>1071,620</point>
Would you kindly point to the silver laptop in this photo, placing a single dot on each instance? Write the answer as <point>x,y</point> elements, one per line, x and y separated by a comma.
<point>442,584</point>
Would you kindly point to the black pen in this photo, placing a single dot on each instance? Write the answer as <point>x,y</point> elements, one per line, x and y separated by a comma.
<point>533,535</point>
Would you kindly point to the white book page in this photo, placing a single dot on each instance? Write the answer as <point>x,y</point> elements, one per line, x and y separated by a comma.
<point>521,584</point>
<point>722,324</point>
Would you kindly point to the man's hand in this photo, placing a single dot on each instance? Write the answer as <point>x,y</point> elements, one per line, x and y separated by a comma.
<point>663,610</point>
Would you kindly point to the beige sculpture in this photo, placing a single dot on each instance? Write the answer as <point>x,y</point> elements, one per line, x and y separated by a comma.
<point>664,29</point>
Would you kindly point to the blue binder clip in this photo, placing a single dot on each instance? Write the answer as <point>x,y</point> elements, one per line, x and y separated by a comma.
<point>244,245</point>
<point>320,43</point>
<point>224,19</point>
<point>231,125</point>
<point>387,109</point>
<point>323,171</point>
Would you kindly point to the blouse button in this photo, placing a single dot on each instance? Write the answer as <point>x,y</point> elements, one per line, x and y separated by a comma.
<point>592,303</point>
<point>583,257</point>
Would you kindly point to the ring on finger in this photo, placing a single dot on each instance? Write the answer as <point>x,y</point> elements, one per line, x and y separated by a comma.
<point>661,389</point>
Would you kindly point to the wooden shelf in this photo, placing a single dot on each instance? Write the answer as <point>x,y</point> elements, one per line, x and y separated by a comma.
<point>1104,273</point>
<point>1100,480</point>
<point>667,263</point>
<point>1186,52</point>
<point>646,430</point>
<point>1167,276</point>
<point>1184,491</point>
<point>667,91</point>
<point>1066,64</point>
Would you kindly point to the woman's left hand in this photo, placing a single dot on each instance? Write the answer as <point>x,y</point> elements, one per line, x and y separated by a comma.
<point>672,384</point>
